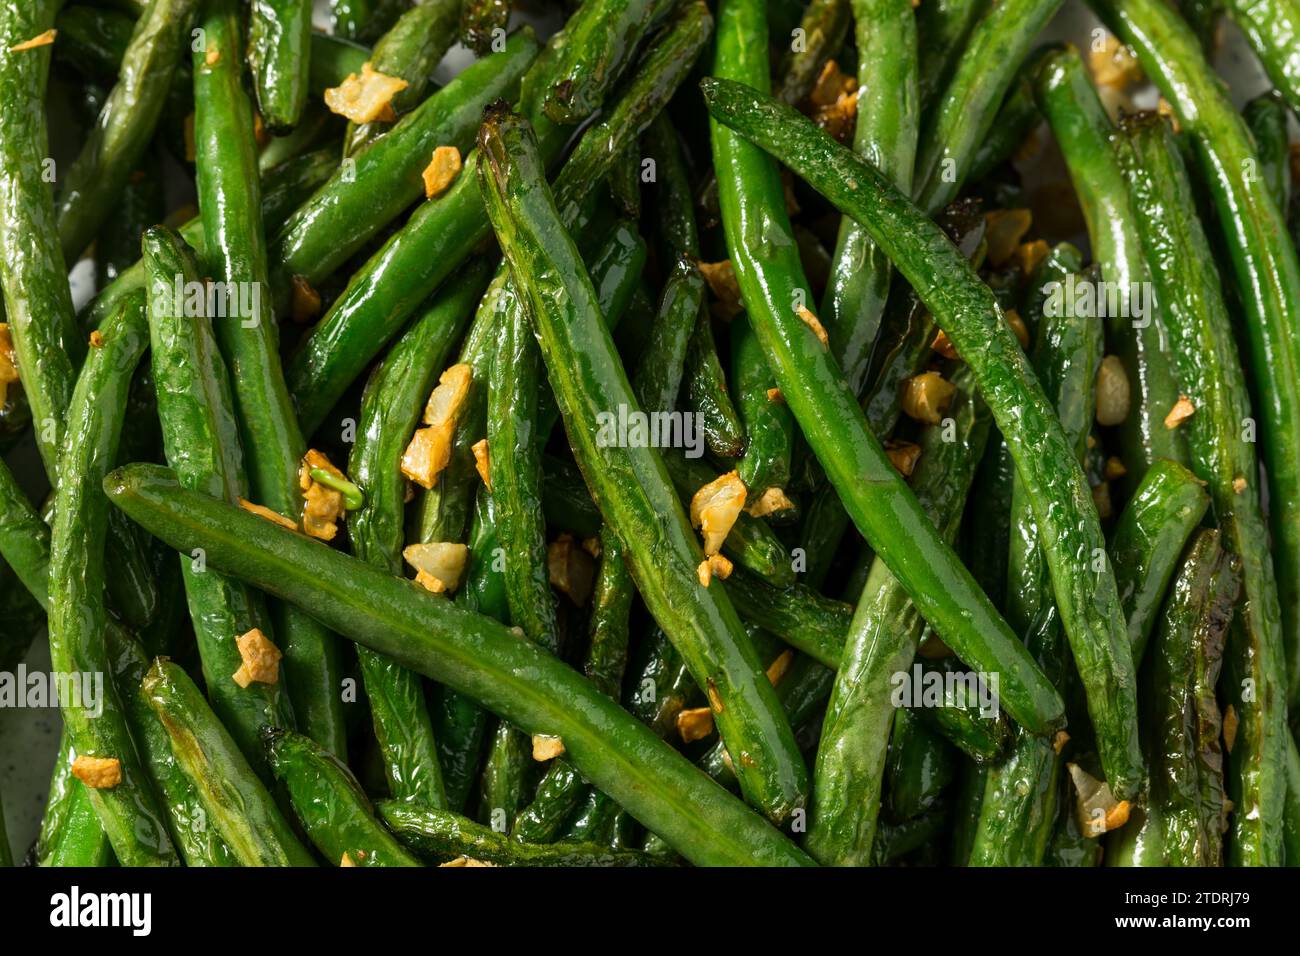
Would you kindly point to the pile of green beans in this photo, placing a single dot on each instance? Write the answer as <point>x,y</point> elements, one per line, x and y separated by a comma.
<point>676,438</point>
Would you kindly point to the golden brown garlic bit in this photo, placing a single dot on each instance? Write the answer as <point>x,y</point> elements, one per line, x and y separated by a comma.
<point>1230,724</point>
<point>1097,809</point>
<point>592,546</point>
<point>833,102</point>
<point>483,462</point>
<point>926,397</point>
<point>904,455</point>
<point>547,747</point>
<point>98,773</point>
<point>722,282</point>
<point>346,860</point>
<point>1114,468</point>
<point>776,395</point>
<point>212,56</point>
<point>1031,255</point>
<point>1164,109</point>
<point>1183,409</point>
<point>305,302</point>
<point>439,565</point>
<point>1060,740</point>
<point>694,724</point>
<point>1239,484</point>
<point>264,512</point>
<point>1101,500</point>
<point>713,564</point>
<point>1004,230</point>
<point>429,451</point>
<point>322,507</point>
<point>943,346</point>
<point>261,659</point>
<point>715,508</point>
<point>715,699</point>
<point>365,98</point>
<point>780,667</point>
<point>771,501</point>
<point>96,339</point>
<point>8,363</point>
<point>1113,396</point>
<point>814,323</point>
<point>1114,65</point>
<point>36,42</point>
<point>571,569</point>
<point>441,171</point>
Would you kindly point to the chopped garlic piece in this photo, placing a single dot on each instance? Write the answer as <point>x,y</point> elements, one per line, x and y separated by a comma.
<point>347,860</point>
<point>1004,230</point>
<point>837,118</point>
<point>715,699</point>
<point>264,512</point>
<point>96,339</point>
<point>694,724</point>
<point>1115,64</point>
<point>779,667</point>
<point>831,84</point>
<point>904,456</point>
<point>1239,484</point>
<point>1113,394</point>
<point>305,303</point>
<point>1098,810</point>
<point>427,455</point>
<point>322,506</point>
<point>443,561</point>
<point>1183,409</point>
<point>1115,468</point>
<point>1018,327</point>
<point>943,346</point>
<point>713,564</point>
<point>771,501</point>
<point>261,659</point>
<point>1230,724</point>
<point>775,395</point>
<point>715,508</point>
<point>8,363</point>
<point>722,282</point>
<point>427,581</point>
<point>1060,740</point>
<point>926,396</point>
<point>212,56</point>
<point>1101,500</point>
<point>36,42</point>
<point>98,773</point>
<point>592,546</point>
<point>448,398</point>
<point>813,323</point>
<point>572,570</point>
<point>547,747</point>
<point>1031,255</point>
<point>365,98</point>
<point>441,171</point>
<point>483,462</point>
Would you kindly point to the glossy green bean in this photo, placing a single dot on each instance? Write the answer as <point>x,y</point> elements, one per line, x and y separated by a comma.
<point>483,23</point>
<point>1273,29</point>
<point>201,442</point>
<point>235,253</point>
<point>768,426</point>
<point>942,29</point>
<point>824,27</point>
<point>1266,117</point>
<point>999,42</point>
<point>888,112</point>
<point>279,54</point>
<point>330,804</point>
<point>364,20</point>
<point>707,393</point>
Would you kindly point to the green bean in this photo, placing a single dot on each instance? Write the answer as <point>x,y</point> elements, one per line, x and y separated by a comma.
<point>800,616</point>
<point>886,132</point>
<point>768,427</point>
<point>1267,271</point>
<point>33,275</point>
<point>1147,541</point>
<point>824,26</point>
<point>197,843</point>
<point>1187,803</point>
<point>1266,117</point>
<point>602,38</point>
<point>919,768</point>
<point>439,835</point>
<point>201,441</point>
<point>1055,482</point>
<point>1204,347</point>
<point>470,653</point>
<point>1273,28</point>
<point>999,42</point>
<point>631,485</point>
<point>942,29</point>
<point>658,376</point>
<point>482,22</point>
<point>1016,121</point>
<point>961,720</point>
<point>330,804</point>
<point>117,246</point>
<point>881,643</point>
<point>236,801</point>
<point>1018,808</point>
<point>235,253</point>
<point>707,394</point>
<point>24,537</point>
<point>1083,131</point>
<point>409,51</point>
<point>279,54</point>
<point>92,40</point>
<point>128,810</point>
<point>364,20</point>
<point>1291,835</point>
<point>93,184</point>
<point>363,196</point>
<point>986,528</point>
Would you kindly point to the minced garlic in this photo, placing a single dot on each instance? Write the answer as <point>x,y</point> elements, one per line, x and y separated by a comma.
<point>261,659</point>
<point>98,773</point>
<point>440,564</point>
<point>365,98</point>
<point>441,171</point>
